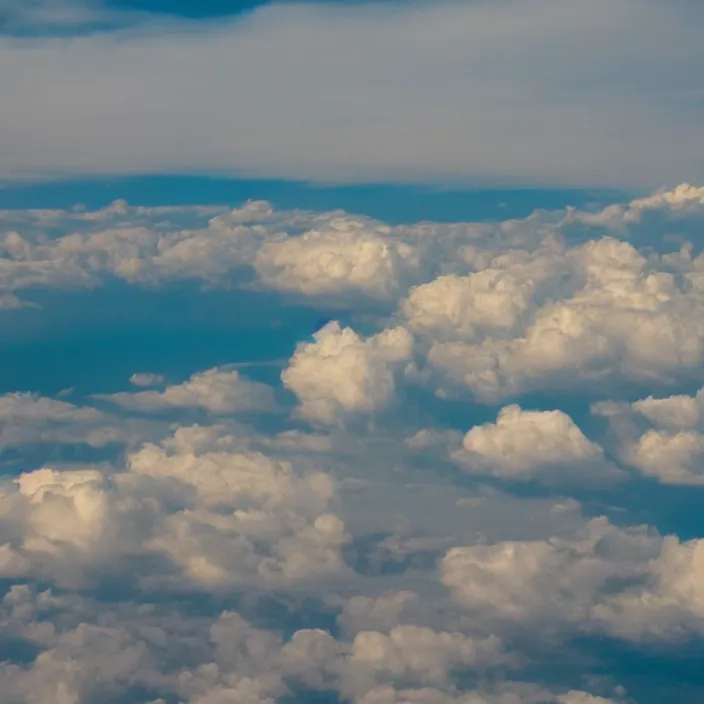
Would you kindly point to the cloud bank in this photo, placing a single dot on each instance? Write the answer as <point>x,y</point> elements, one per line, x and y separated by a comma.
<point>497,96</point>
<point>476,482</point>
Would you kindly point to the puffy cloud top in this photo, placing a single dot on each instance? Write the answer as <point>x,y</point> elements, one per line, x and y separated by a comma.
<point>344,259</point>
<point>249,559</point>
<point>528,444</point>
<point>340,372</point>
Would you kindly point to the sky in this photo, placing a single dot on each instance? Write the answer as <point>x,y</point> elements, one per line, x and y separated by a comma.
<point>351,352</point>
<point>458,92</point>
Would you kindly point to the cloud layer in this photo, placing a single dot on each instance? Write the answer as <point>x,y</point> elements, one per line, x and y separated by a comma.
<point>473,482</point>
<point>497,96</point>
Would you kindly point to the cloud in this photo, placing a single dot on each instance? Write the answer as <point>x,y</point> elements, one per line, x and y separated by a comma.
<point>626,582</point>
<point>146,379</point>
<point>486,303</point>
<point>661,437</point>
<point>340,373</point>
<point>218,391</point>
<point>87,650</point>
<point>525,445</point>
<point>17,16</point>
<point>27,418</point>
<point>146,246</point>
<point>506,694</point>
<point>219,515</point>
<point>584,118</point>
<point>407,654</point>
<point>625,317</point>
<point>674,412</point>
<point>328,256</point>
<point>335,549</point>
<point>345,258</point>
<point>463,282</point>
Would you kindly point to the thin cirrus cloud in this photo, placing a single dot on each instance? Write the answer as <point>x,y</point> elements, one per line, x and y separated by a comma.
<point>544,92</point>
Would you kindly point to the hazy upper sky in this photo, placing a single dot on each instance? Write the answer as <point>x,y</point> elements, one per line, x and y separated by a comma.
<point>500,92</point>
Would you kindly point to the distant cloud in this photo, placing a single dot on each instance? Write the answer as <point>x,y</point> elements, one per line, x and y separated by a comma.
<point>340,373</point>
<point>534,445</point>
<point>27,419</point>
<point>414,522</point>
<point>346,257</point>
<point>567,583</point>
<point>221,515</point>
<point>218,391</point>
<point>146,379</point>
<point>461,91</point>
<point>661,437</point>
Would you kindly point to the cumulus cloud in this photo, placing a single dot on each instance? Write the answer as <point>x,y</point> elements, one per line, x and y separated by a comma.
<point>218,515</point>
<point>507,694</point>
<point>331,255</point>
<point>222,563</point>
<point>218,391</point>
<point>345,258</point>
<point>87,650</point>
<point>138,245</point>
<point>341,373</point>
<point>628,582</point>
<point>661,437</point>
<point>525,445</point>
<point>469,282</point>
<point>27,418</point>
<point>409,654</point>
<point>625,317</point>
<point>493,302</point>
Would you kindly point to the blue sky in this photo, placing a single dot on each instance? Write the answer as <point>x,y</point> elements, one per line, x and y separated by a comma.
<point>351,352</point>
<point>188,8</point>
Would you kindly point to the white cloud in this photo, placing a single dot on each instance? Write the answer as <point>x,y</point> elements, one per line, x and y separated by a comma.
<point>494,281</point>
<point>220,515</point>
<point>252,518</point>
<point>340,373</point>
<point>146,379</point>
<point>527,445</point>
<point>661,437</point>
<point>218,391</point>
<point>315,254</point>
<point>90,650</point>
<point>625,317</point>
<point>417,654</point>
<point>627,582</point>
<point>381,613</point>
<point>674,413</point>
<point>297,529</point>
<point>674,458</point>
<point>27,418</point>
<point>495,302</point>
<point>345,258</point>
<point>511,693</point>
<point>504,99</point>
<point>683,197</point>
